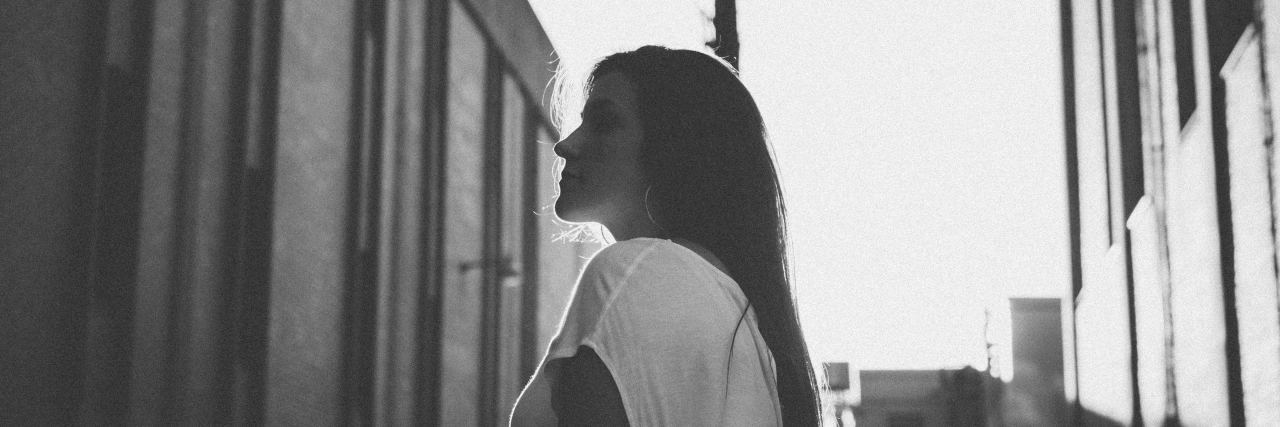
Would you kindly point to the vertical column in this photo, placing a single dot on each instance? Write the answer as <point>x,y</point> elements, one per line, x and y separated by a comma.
<point>463,203</point>
<point>1269,17</point>
<point>1102,324</point>
<point>1146,228</point>
<point>435,116</point>
<point>1196,300</point>
<point>491,293</point>
<point>313,166</point>
<point>404,268</point>
<point>118,160</point>
<point>512,276</point>
<point>1129,166</point>
<point>50,74</point>
<point>188,337</point>
<point>531,272</point>
<point>1255,284</point>
<point>252,215</point>
<point>1066,20</point>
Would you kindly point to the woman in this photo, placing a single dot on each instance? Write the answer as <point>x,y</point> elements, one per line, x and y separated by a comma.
<point>688,319</point>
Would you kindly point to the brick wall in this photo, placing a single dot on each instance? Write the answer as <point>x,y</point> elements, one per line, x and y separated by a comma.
<point>1255,268</point>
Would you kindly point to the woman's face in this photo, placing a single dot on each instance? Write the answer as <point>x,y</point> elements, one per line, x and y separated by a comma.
<point>602,181</point>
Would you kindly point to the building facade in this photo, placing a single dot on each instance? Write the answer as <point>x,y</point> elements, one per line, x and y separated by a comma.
<point>328,212</point>
<point>928,398</point>
<point>1171,183</point>
<point>1034,395</point>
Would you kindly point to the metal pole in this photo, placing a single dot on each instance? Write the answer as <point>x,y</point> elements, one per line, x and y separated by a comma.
<point>726,23</point>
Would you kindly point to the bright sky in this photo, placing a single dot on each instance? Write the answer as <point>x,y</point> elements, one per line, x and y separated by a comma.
<point>920,149</point>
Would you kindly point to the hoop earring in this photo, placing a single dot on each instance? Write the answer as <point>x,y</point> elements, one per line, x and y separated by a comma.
<point>650,214</point>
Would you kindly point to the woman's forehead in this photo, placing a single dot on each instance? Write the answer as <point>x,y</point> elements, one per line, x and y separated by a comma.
<point>612,88</point>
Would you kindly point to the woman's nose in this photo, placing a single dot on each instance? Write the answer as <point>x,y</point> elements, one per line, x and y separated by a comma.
<point>564,148</point>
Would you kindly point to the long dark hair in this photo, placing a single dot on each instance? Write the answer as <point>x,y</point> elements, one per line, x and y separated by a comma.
<point>713,181</point>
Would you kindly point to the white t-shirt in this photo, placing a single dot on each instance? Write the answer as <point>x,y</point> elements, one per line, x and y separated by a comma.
<point>672,330</point>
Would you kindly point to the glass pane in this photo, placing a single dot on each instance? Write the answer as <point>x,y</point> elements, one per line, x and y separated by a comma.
<point>1184,56</point>
<point>463,222</point>
<point>513,213</point>
<point>559,260</point>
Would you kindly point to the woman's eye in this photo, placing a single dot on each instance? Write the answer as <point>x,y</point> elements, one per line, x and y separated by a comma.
<point>601,122</point>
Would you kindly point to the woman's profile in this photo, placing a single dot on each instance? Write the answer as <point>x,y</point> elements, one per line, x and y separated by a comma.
<point>688,318</point>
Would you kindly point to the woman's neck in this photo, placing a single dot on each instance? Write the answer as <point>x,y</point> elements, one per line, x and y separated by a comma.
<point>633,228</point>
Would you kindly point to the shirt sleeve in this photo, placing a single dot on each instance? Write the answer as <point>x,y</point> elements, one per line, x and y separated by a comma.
<point>599,285</point>
<point>663,325</point>
<point>595,286</point>
<point>664,336</point>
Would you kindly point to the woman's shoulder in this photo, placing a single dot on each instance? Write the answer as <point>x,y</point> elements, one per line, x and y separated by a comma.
<point>659,268</point>
<point>618,281</point>
<point>624,254</point>
<point>645,256</point>
<point>611,268</point>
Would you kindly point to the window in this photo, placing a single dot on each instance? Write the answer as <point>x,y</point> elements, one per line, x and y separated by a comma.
<point>1184,58</point>
<point>512,278</point>
<point>464,153</point>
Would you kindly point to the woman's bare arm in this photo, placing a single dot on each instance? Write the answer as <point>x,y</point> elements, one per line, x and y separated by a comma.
<point>585,394</point>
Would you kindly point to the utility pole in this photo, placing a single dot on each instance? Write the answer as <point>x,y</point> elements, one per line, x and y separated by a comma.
<point>726,23</point>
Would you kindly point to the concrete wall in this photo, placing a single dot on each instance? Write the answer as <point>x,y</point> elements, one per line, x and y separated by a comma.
<point>1101,307</point>
<point>1201,238</point>
<point>309,256</point>
<point>1257,302</point>
<point>477,31</point>
<point>465,148</point>
<point>244,223</point>
<point>50,58</point>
